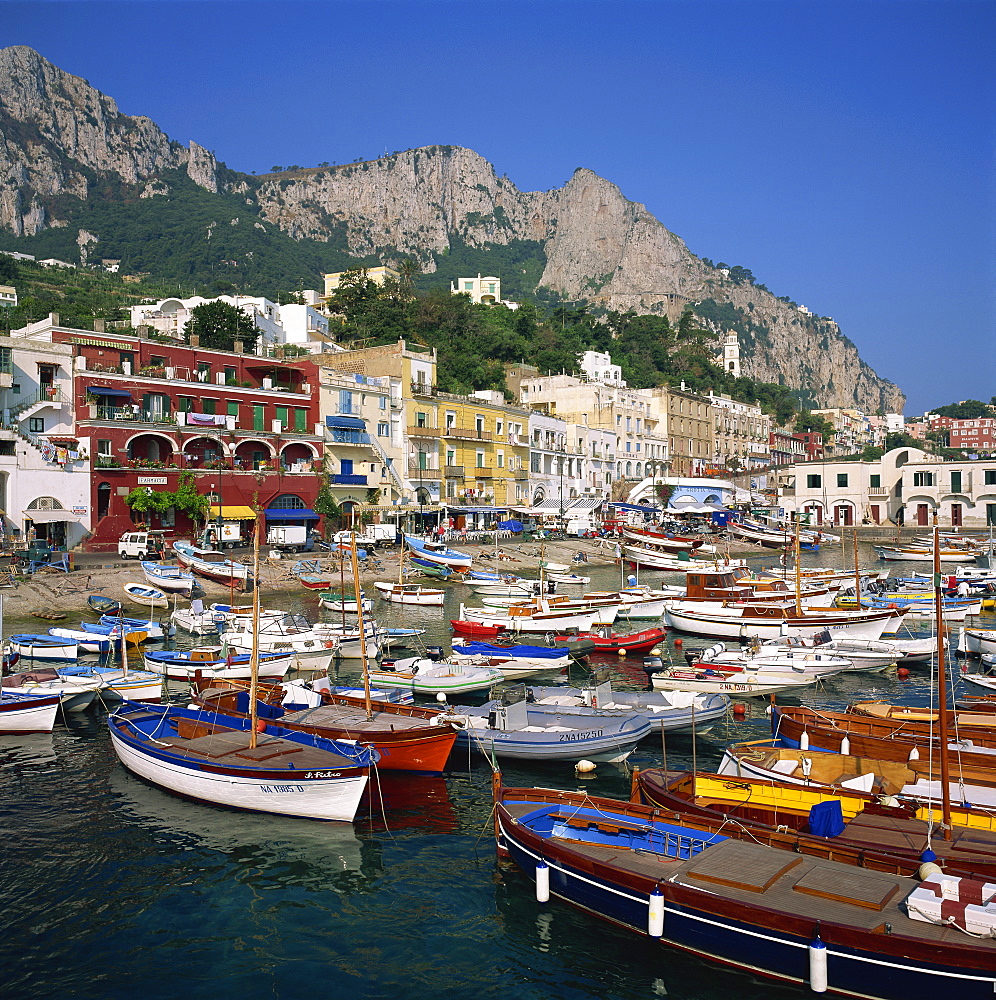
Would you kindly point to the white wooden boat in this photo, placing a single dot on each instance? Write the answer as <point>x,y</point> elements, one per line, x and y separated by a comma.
<point>977,640</point>
<point>88,642</point>
<point>527,619</point>
<point>75,693</point>
<point>428,677</point>
<point>206,757</point>
<point>772,621</point>
<point>987,681</point>
<point>332,600</point>
<point>741,683</point>
<point>215,662</point>
<point>864,654</point>
<point>569,579</point>
<point>145,593</point>
<point>438,553</point>
<point>763,660</point>
<point>411,593</point>
<point>44,648</point>
<point>168,577</point>
<point>909,554</point>
<point>212,565</point>
<point>27,713</point>
<point>346,635</point>
<point>292,633</point>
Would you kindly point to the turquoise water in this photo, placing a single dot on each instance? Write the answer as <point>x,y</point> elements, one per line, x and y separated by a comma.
<point>111,888</point>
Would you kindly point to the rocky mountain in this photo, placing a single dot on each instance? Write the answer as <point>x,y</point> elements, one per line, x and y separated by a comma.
<point>62,142</point>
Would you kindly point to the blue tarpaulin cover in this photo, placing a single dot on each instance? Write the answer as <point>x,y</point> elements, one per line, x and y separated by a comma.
<point>511,525</point>
<point>826,819</point>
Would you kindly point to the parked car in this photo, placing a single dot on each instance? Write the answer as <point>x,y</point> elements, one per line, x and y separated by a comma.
<point>142,545</point>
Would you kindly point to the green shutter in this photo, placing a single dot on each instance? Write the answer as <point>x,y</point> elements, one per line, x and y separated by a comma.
<point>300,420</point>
<point>259,418</point>
<point>207,406</point>
<point>282,412</point>
<point>233,408</point>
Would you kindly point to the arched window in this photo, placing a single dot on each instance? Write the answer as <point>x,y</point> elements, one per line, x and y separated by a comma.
<point>288,501</point>
<point>45,503</point>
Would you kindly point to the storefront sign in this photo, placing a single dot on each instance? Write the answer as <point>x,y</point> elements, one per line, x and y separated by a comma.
<point>152,480</point>
<point>80,511</point>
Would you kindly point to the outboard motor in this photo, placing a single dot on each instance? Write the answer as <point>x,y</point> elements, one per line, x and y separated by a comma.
<point>692,656</point>
<point>434,652</point>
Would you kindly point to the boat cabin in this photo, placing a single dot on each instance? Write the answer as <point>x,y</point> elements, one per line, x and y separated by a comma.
<point>705,585</point>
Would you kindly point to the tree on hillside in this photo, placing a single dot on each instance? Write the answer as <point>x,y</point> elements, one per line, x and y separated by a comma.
<point>969,409</point>
<point>900,439</point>
<point>813,423</point>
<point>8,270</point>
<point>219,325</point>
<point>407,269</point>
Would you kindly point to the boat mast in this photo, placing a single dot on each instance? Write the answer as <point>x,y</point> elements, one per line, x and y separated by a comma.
<point>362,626</point>
<point>857,574</point>
<point>254,658</point>
<point>942,693</point>
<point>798,572</point>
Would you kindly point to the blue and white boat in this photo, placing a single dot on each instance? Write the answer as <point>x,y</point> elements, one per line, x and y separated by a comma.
<point>214,662</point>
<point>145,593</point>
<point>155,630</point>
<point>667,711</point>
<point>88,642</point>
<point>75,693</point>
<point>210,758</point>
<point>770,912</point>
<point>522,731</point>
<point>168,577</point>
<point>435,552</point>
<point>48,648</point>
<point>542,657</point>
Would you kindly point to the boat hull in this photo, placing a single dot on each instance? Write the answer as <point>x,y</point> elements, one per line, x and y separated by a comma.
<point>756,940</point>
<point>23,714</point>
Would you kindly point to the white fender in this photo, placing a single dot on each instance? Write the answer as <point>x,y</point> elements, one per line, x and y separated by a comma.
<point>542,882</point>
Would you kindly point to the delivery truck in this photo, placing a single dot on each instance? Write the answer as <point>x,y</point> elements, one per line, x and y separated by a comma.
<point>290,538</point>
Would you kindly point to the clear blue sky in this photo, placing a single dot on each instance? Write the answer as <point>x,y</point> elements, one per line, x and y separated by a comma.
<point>843,151</point>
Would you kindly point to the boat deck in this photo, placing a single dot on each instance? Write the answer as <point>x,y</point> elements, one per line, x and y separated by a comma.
<point>761,877</point>
<point>910,835</point>
<point>233,748</point>
<point>353,719</point>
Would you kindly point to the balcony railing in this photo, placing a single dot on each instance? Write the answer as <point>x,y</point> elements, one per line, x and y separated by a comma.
<point>347,479</point>
<point>423,389</point>
<point>131,414</point>
<point>427,432</point>
<point>413,466</point>
<point>339,435</point>
<point>469,434</point>
<point>454,471</point>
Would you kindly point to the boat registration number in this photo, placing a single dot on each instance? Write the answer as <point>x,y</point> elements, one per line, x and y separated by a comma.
<point>281,789</point>
<point>572,737</point>
<point>736,687</point>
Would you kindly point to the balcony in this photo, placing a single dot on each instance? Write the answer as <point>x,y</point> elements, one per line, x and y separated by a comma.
<point>466,434</point>
<point>131,414</point>
<point>877,491</point>
<point>347,479</point>
<point>423,389</point>
<point>454,472</point>
<point>341,435</point>
<point>426,432</point>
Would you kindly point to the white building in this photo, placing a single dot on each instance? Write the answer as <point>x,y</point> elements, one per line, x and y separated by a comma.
<point>598,367</point>
<point>294,323</point>
<point>44,481</point>
<point>486,291</point>
<point>8,296</point>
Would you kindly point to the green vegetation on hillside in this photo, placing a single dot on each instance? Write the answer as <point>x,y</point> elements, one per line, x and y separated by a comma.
<point>969,409</point>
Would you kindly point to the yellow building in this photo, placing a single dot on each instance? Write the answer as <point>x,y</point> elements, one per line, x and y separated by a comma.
<point>485,446</point>
<point>378,275</point>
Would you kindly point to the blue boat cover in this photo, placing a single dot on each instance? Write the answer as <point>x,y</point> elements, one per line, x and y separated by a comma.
<point>826,819</point>
<point>485,648</point>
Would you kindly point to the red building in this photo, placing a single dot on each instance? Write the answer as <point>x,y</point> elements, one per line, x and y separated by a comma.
<point>813,443</point>
<point>247,427</point>
<point>978,434</point>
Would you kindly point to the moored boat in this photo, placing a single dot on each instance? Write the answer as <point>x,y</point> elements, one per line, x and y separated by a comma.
<point>215,759</point>
<point>411,593</point>
<point>168,577</point>
<point>770,912</point>
<point>144,593</point>
<point>212,565</point>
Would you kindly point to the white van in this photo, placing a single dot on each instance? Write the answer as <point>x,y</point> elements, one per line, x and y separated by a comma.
<point>142,545</point>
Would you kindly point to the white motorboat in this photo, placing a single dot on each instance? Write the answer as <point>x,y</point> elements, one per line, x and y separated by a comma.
<point>759,659</point>
<point>522,618</point>
<point>168,577</point>
<point>424,676</point>
<point>145,593</point>
<point>292,633</point>
<point>770,621</point>
<point>742,683</point>
<point>411,593</point>
<point>75,693</point>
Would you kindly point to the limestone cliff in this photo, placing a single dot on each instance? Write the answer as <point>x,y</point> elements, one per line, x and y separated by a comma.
<point>59,137</point>
<point>57,132</point>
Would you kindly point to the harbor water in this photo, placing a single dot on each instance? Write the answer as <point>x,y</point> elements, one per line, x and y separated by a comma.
<point>111,888</point>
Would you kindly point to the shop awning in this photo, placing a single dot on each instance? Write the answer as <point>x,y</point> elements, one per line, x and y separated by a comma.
<point>293,514</point>
<point>346,423</point>
<point>635,506</point>
<point>106,390</point>
<point>231,512</point>
<point>475,510</point>
<point>47,516</point>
